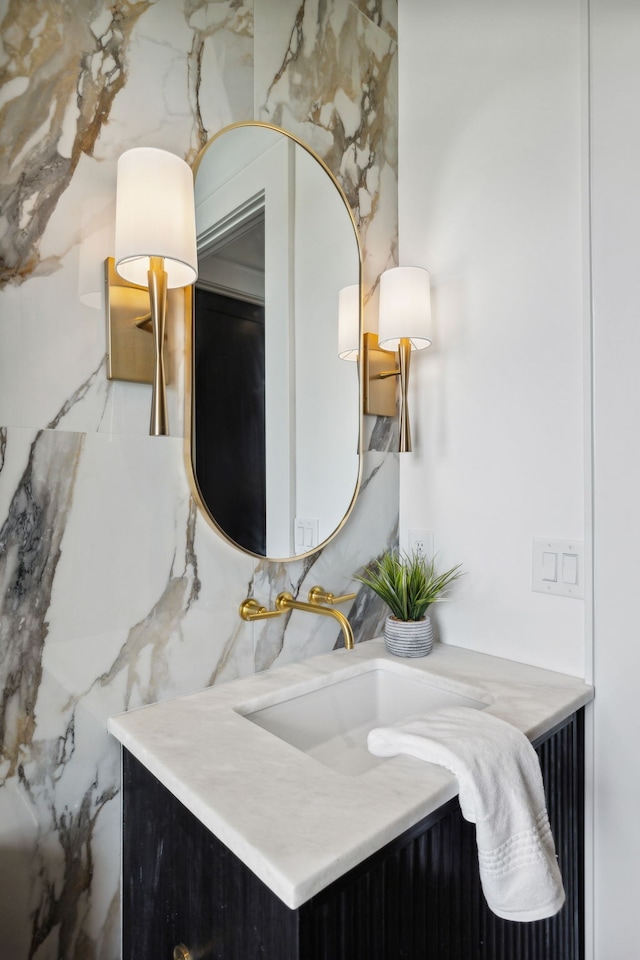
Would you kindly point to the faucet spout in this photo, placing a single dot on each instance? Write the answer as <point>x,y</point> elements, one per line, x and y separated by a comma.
<point>285,601</point>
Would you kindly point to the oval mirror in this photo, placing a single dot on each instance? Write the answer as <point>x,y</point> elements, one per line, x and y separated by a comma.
<point>274,413</point>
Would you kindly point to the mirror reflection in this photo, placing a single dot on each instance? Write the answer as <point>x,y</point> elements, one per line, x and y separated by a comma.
<point>275,413</point>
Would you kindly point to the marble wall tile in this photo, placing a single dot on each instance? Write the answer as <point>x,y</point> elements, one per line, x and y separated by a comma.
<point>384,13</point>
<point>64,64</point>
<point>90,628</point>
<point>113,590</point>
<point>327,73</point>
<point>167,75</point>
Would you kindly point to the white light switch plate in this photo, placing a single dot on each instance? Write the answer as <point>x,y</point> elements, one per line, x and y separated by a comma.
<point>306,533</point>
<point>558,567</point>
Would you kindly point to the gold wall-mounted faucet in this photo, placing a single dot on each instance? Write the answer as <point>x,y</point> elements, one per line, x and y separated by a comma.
<point>285,601</point>
<point>320,595</point>
<point>251,610</point>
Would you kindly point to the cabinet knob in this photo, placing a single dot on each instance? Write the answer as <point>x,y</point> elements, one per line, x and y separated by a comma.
<point>180,952</point>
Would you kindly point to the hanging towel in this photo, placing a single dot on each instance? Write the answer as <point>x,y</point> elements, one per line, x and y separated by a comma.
<point>500,790</point>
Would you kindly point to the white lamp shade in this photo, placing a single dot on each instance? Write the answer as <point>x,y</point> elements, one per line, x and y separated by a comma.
<point>405,308</point>
<point>349,322</point>
<point>155,216</point>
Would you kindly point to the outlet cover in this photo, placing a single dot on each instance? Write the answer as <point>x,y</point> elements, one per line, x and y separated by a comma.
<point>421,542</point>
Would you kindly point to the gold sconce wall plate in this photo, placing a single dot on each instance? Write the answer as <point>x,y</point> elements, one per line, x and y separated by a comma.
<point>130,346</point>
<point>379,376</point>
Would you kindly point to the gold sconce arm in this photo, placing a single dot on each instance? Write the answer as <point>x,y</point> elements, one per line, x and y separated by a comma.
<point>132,339</point>
<point>144,323</point>
<point>380,384</point>
<point>379,378</point>
<point>251,610</point>
<point>320,595</point>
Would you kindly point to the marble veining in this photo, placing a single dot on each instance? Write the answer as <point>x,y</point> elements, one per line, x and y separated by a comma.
<point>30,549</point>
<point>78,394</point>
<point>114,591</point>
<point>216,23</point>
<point>49,123</point>
<point>30,545</point>
<point>351,127</point>
<point>384,13</point>
<point>55,755</point>
<point>61,906</point>
<point>156,629</point>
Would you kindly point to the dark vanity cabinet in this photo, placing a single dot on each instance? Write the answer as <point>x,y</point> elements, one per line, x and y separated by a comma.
<point>418,898</point>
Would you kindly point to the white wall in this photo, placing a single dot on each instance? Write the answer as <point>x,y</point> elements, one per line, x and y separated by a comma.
<point>491,172</point>
<point>616,312</point>
<point>490,201</point>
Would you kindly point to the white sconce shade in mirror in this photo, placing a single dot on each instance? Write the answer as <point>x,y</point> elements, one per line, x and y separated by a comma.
<point>155,245</point>
<point>349,322</point>
<point>404,324</point>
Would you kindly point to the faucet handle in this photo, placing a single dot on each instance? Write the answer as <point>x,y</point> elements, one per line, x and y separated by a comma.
<point>250,610</point>
<point>320,595</point>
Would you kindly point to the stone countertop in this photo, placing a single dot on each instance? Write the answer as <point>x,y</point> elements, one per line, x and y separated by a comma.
<point>296,823</point>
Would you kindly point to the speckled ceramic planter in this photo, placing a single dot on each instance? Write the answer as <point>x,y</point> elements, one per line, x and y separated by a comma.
<point>408,638</point>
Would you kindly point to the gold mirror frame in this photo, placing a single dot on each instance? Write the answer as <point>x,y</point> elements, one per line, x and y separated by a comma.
<point>189,447</point>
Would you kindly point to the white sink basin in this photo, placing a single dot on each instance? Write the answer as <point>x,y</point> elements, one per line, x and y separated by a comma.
<point>331,721</point>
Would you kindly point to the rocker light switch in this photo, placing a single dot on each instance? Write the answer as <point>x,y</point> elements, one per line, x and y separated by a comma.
<point>558,567</point>
<point>549,566</point>
<point>570,568</point>
<point>306,534</point>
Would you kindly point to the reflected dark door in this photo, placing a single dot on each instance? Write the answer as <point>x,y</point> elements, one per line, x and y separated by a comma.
<point>228,346</point>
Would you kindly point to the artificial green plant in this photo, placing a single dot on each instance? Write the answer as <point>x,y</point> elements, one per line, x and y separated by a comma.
<point>407,583</point>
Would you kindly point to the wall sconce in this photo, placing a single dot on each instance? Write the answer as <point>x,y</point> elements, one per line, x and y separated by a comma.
<point>404,321</point>
<point>155,251</point>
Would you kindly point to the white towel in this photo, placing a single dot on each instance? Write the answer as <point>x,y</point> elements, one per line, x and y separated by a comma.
<point>500,786</point>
